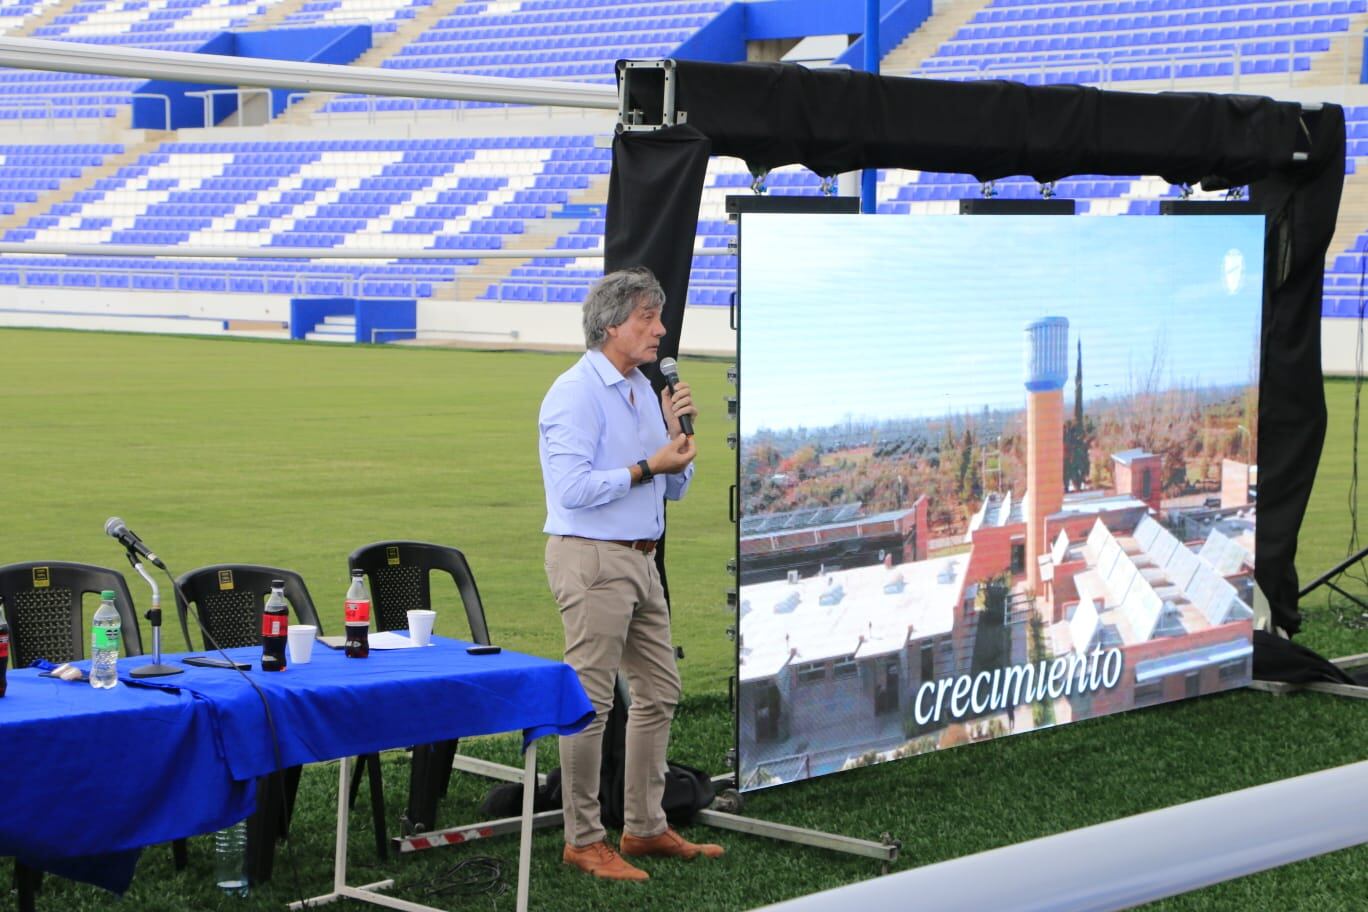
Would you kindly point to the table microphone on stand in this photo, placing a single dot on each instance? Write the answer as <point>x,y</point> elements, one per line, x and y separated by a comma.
<point>135,550</point>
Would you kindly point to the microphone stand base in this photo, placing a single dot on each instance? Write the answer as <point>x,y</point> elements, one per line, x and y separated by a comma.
<point>156,670</point>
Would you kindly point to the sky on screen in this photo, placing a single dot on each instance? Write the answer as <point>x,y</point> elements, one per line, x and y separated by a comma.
<point>878,317</point>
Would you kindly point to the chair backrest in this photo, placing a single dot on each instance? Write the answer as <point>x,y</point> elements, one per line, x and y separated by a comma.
<point>230,598</point>
<point>399,577</point>
<point>43,606</point>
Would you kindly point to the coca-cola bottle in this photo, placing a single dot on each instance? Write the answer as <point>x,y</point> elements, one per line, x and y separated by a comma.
<point>275,622</point>
<point>4,647</point>
<point>358,610</point>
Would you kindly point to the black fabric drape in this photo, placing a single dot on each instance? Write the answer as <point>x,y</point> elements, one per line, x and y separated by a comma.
<point>1302,204</point>
<point>654,190</point>
<point>833,121</point>
<point>653,194</point>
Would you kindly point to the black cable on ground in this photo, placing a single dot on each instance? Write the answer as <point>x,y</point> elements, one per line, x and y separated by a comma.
<point>474,876</point>
<point>1344,614</point>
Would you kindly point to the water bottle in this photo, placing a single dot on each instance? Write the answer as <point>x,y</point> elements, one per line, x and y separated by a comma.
<point>230,856</point>
<point>275,622</point>
<point>105,634</point>
<point>358,611</point>
<point>4,646</point>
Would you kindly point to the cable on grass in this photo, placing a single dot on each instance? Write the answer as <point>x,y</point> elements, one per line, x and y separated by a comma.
<point>474,876</point>
<point>1356,572</point>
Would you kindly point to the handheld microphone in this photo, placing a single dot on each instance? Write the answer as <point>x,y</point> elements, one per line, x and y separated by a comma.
<point>115,529</point>
<point>670,371</point>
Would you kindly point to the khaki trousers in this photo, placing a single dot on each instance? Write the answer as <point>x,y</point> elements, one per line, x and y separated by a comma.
<point>615,617</point>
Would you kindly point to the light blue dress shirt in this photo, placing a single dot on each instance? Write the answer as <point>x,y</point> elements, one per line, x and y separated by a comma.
<point>591,431</point>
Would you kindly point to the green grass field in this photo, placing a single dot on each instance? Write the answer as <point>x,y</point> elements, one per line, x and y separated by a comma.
<point>293,454</point>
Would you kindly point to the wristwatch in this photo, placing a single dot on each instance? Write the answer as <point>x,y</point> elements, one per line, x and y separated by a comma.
<point>646,473</point>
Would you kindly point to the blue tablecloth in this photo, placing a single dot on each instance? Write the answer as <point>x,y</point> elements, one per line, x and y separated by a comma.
<point>90,771</point>
<point>337,707</point>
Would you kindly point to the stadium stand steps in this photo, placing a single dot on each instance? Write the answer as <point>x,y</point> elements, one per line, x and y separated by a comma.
<point>1353,216</point>
<point>1333,69</point>
<point>276,14</point>
<point>386,45</point>
<point>568,39</point>
<point>539,234</point>
<point>69,188</point>
<point>1199,41</point>
<point>44,18</point>
<point>546,234</point>
<point>333,329</point>
<point>949,18</point>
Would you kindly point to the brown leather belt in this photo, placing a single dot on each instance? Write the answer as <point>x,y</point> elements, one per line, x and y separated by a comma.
<point>644,545</point>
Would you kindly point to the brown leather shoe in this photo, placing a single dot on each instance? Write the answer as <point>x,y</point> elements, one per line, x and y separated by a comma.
<point>668,844</point>
<point>600,860</point>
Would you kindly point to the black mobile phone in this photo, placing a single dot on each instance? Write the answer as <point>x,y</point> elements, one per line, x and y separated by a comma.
<point>212,662</point>
<point>483,650</point>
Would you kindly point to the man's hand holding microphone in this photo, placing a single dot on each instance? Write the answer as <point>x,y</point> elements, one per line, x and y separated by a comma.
<point>677,405</point>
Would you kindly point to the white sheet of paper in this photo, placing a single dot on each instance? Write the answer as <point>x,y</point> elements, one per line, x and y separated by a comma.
<point>390,639</point>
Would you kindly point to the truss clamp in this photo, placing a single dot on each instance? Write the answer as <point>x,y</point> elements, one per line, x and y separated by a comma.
<point>646,96</point>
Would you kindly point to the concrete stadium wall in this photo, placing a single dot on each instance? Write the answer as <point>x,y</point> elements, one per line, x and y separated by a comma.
<point>506,323</point>
<point>1339,338</point>
<point>138,311</point>
<point>706,329</point>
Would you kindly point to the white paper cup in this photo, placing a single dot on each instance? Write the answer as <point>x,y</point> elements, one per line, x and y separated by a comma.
<point>301,640</point>
<point>420,626</point>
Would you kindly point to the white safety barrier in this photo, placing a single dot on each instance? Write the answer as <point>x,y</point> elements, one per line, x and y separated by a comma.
<point>141,63</point>
<point>1131,861</point>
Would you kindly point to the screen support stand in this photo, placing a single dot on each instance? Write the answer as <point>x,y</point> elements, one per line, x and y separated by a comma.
<point>368,893</point>
<point>1347,663</point>
<point>720,814</point>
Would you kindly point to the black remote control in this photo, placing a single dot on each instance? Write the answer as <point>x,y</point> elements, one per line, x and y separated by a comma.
<point>211,662</point>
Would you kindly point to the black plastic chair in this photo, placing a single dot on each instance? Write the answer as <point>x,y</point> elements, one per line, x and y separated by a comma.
<point>43,604</point>
<point>230,599</point>
<point>400,578</point>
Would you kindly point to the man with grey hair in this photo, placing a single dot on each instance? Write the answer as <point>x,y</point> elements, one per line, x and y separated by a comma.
<point>608,463</point>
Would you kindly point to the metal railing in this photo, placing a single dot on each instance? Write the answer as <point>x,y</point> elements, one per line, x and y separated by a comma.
<point>166,105</point>
<point>209,98</point>
<point>453,110</point>
<point>59,106</point>
<point>1169,58</point>
<point>300,283</point>
<point>545,283</point>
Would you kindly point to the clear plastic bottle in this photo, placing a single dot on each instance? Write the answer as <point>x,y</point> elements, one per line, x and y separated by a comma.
<point>106,632</point>
<point>230,857</point>
<point>275,621</point>
<point>357,618</point>
<point>4,647</point>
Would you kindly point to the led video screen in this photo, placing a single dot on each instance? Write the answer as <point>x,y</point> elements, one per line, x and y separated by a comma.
<point>996,473</point>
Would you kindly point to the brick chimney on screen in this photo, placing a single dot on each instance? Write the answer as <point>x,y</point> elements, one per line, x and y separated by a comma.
<point>1047,369</point>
